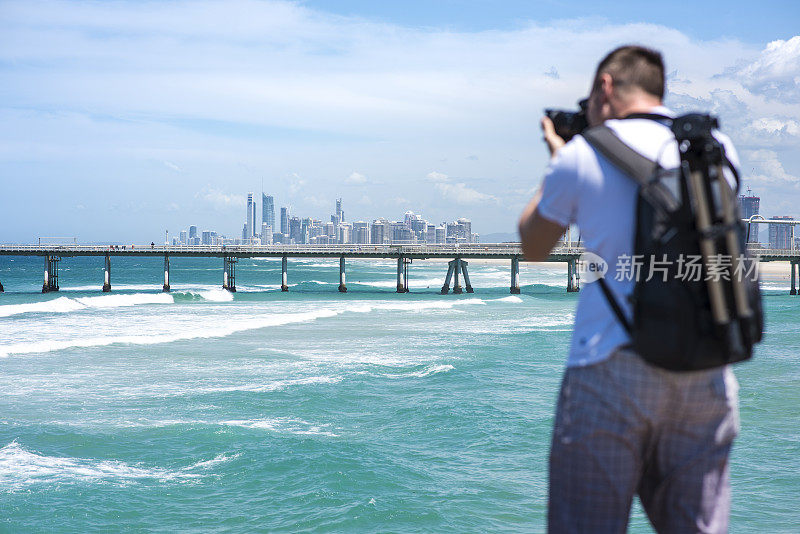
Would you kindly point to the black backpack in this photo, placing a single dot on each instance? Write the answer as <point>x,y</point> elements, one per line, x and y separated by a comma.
<point>673,324</point>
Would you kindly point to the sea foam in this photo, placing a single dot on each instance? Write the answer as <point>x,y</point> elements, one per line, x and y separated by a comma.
<point>227,327</point>
<point>21,467</point>
<point>68,304</point>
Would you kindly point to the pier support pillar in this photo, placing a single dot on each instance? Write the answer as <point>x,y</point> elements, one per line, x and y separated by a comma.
<point>467,285</point>
<point>402,275</point>
<point>793,267</point>
<point>446,286</point>
<point>1,287</point>
<point>50,273</point>
<point>229,274</point>
<point>166,273</point>
<point>456,268</point>
<point>342,284</point>
<point>515,275</point>
<point>107,275</point>
<point>573,282</point>
<point>284,274</point>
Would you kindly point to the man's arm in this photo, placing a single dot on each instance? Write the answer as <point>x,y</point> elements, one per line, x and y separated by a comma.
<point>537,234</point>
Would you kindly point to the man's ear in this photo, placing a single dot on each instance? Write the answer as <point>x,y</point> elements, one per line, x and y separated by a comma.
<point>607,86</point>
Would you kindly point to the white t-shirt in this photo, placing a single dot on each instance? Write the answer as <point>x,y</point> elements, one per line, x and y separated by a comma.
<point>582,187</point>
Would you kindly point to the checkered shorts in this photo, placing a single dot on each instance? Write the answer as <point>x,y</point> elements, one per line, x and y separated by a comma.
<point>625,427</point>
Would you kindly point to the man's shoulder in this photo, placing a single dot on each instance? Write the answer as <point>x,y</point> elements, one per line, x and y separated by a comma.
<point>572,154</point>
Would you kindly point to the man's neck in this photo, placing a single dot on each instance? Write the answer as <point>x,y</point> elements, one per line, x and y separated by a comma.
<point>639,105</point>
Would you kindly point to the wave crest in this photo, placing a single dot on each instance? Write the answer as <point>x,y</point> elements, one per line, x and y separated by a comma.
<point>21,467</point>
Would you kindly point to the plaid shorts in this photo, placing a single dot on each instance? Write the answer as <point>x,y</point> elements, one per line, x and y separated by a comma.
<point>625,427</point>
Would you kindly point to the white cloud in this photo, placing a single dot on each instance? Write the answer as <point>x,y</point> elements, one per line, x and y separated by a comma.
<point>438,177</point>
<point>172,166</point>
<point>221,201</point>
<point>776,72</point>
<point>296,184</point>
<point>459,193</point>
<point>767,168</point>
<point>773,125</point>
<point>356,178</point>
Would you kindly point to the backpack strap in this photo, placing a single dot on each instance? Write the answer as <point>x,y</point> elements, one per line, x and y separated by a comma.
<point>639,168</point>
<point>604,140</point>
<point>615,307</point>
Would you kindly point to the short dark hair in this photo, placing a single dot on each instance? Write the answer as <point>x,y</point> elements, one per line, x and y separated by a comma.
<point>634,66</point>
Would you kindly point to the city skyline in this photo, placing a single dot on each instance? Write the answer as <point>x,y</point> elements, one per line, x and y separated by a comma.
<point>308,230</point>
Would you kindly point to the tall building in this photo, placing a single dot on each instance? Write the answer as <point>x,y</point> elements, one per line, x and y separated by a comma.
<point>344,234</point>
<point>339,212</point>
<point>465,226</point>
<point>183,237</point>
<point>361,233</point>
<point>459,231</point>
<point>748,206</point>
<point>380,232</point>
<point>400,233</point>
<point>266,234</point>
<point>248,226</point>
<point>430,233</point>
<point>192,232</point>
<point>255,227</point>
<point>295,229</point>
<point>780,235</point>
<point>284,220</point>
<point>267,211</point>
<point>441,234</point>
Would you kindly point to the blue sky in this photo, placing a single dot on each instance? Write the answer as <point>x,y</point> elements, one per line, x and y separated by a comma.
<point>754,22</point>
<point>123,119</point>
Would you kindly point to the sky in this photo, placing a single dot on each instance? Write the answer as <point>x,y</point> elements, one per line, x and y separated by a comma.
<point>123,119</point>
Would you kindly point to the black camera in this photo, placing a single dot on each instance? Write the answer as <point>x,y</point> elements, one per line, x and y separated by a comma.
<point>568,124</point>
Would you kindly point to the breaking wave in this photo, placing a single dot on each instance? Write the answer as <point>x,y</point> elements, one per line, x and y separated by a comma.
<point>21,467</point>
<point>231,326</point>
<point>68,304</point>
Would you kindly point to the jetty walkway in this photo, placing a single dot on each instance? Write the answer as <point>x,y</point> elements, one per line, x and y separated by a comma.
<point>457,267</point>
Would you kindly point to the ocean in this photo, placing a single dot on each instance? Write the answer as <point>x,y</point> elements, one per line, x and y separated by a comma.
<point>315,411</point>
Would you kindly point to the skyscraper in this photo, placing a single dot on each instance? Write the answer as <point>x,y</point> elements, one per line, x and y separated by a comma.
<point>255,226</point>
<point>268,210</point>
<point>248,227</point>
<point>266,234</point>
<point>780,235</point>
<point>295,229</point>
<point>748,206</point>
<point>339,212</point>
<point>361,232</point>
<point>284,220</point>
<point>379,232</point>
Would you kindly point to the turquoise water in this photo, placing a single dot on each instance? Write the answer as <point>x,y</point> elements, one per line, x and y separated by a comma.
<point>318,411</point>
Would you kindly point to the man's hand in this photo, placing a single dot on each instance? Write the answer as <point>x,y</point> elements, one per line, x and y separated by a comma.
<point>554,142</point>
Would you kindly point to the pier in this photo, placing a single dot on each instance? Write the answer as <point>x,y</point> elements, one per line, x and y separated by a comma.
<point>457,266</point>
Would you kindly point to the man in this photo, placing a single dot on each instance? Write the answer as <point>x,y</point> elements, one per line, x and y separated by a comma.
<point>622,426</point>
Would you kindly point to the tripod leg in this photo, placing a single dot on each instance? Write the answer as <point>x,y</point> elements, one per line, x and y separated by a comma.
<point>729,217</point>
<point>719,310</point>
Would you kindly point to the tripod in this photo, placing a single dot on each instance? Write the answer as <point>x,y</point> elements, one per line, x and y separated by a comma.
<point>703,161</point>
